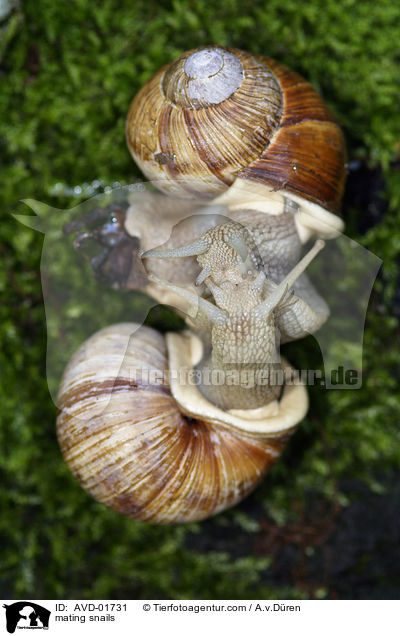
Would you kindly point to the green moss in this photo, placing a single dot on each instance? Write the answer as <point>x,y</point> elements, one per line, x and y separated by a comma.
<point>69,71</point>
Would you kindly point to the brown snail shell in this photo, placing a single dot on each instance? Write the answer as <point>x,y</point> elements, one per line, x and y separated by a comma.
<point>135,449</point>
<point>217,115</point>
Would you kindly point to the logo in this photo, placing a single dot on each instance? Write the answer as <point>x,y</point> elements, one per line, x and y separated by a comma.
<point>26,615</point>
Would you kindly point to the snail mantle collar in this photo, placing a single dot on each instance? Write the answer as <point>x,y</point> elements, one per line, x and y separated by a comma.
<point>185,351</point>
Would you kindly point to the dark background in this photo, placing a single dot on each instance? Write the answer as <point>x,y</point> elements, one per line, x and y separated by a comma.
<point>325,523</point>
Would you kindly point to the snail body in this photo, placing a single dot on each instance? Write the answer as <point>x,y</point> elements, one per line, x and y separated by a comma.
<point>251,164</point>
<point>247,312</point>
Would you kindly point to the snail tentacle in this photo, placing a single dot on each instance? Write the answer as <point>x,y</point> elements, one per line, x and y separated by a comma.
<point>281,290</point>
<point>193,249</point>
<point>216,315</point>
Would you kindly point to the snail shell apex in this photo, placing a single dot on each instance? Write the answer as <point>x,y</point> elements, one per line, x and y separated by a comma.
<point>207,77</point>
<point>198,135</point>
<point>136,452</point>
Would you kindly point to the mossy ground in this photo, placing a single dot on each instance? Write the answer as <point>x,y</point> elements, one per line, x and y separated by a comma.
<point>68,73</point>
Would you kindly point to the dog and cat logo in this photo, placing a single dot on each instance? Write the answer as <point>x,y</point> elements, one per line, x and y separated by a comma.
<point>26,615</point>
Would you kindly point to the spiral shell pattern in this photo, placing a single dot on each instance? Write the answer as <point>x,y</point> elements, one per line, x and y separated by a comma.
<point>216,114</point>
<point>132,449</point>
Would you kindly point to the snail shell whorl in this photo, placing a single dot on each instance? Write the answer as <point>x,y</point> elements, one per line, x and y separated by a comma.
<point>194,146</point>
<point>216,114</point>
<point>132,449</point>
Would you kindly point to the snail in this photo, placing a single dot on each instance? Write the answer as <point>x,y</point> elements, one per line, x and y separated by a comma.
<point>224,122</point>
<point>144,456</point>
<point>251,164</point>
